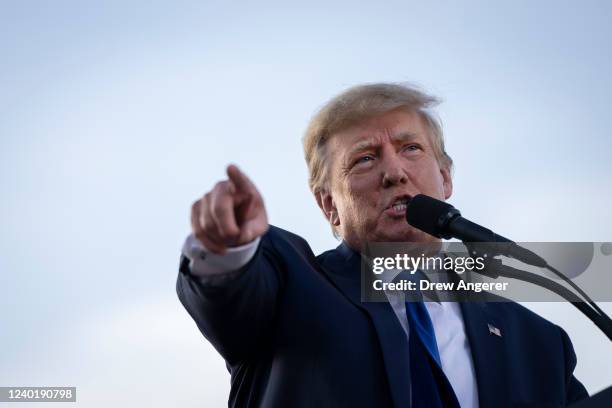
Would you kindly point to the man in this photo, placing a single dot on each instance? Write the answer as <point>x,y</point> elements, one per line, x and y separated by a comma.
<point>291,325</point>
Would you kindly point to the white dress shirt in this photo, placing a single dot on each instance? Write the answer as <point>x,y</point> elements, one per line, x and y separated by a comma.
<point>446,317</point>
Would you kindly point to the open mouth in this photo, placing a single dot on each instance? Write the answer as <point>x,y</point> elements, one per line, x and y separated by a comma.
<point>399,205</point>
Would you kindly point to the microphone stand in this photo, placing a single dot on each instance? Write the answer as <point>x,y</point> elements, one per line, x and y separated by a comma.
<point>495,268</point>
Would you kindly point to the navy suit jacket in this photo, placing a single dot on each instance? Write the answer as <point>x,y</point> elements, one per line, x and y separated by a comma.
<point>294,333</point>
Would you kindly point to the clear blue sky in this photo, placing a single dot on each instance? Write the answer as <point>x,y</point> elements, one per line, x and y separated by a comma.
<point>115,116</point>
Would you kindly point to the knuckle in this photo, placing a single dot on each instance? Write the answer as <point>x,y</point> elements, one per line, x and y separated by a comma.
<point>207,225</point>
<point>220,209</point>
<point>221,187</point>
<point>195,207</point>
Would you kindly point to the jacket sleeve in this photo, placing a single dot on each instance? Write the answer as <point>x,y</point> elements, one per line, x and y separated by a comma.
<point>575,391</point>
<point>235,313</point>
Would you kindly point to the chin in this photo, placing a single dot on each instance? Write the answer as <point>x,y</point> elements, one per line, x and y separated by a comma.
<point>403,233</point>
<point>392,234</point>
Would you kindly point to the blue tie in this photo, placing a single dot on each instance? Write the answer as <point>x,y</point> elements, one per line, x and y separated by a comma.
<point>420,322</point>
<point>418,316</point>
<point>430,386</point>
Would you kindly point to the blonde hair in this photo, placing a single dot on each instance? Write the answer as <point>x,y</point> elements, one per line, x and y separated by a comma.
<point>358,103</point>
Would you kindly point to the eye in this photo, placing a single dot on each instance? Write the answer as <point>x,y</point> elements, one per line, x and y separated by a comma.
<point>363,159</point>
<point>412,147</point>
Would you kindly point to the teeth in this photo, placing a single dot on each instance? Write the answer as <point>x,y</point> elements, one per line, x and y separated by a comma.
<point>399,207</point>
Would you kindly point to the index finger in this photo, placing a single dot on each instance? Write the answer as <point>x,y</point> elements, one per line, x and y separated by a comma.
<point>239,179</point>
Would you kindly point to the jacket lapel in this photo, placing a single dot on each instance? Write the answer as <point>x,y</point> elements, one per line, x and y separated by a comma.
<point>485,332</point>
<point>344,269</point>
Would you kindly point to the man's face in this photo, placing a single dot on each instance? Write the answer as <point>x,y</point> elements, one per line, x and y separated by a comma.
<point>376,166</point>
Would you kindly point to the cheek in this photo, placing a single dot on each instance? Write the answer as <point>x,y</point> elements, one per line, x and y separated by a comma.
<point>362,194</point>
<point>362,184</point>
<point>430,180</point>
<point>359,209</point>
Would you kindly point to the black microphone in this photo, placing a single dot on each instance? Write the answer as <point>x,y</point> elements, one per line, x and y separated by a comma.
<point>442,220</point>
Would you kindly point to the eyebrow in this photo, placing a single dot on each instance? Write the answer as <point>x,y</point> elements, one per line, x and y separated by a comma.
<point>367,144</point>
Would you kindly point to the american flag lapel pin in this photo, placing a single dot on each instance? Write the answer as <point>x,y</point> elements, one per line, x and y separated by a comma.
<point>494,330</point>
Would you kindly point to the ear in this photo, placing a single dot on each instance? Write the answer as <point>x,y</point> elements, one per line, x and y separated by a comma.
<point>328,207</point>
<point>447,182</point>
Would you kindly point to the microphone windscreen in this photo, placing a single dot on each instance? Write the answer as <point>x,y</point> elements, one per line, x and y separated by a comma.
<point>424,213</point>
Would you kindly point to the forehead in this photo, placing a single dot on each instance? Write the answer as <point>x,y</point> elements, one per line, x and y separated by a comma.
<point>382,128</point>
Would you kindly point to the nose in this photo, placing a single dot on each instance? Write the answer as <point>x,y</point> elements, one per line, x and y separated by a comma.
<point>393,172</point>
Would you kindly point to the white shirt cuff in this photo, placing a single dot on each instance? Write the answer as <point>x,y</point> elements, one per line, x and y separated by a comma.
<point>206,264</point>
